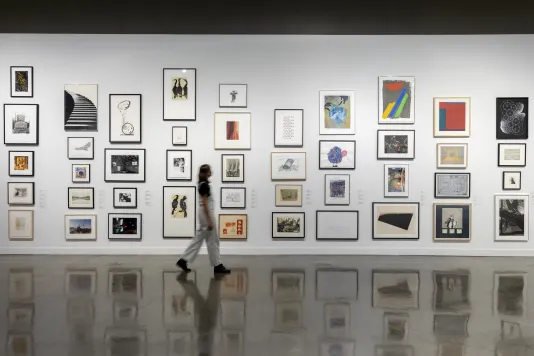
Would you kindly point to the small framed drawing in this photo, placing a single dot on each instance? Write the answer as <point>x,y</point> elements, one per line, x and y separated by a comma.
<point>396,144</point>
<point>232,130</point>
<point>233,226</point>
<point>337,225</point>
<point>396,180</point>
<point>233,198</point>
<point>511,180</point>
<point>80,227</point>
<point>396,326</point>
<point>337,189</point>
<point>396,100</point>
<point>179,212</point>
<point>125,198</point>
<point>512,118</point>
<point>452,185</point>
<point>337,320</point>
<point>21,82</point>
<point>288,128</point>
<point>125,118</point>
<point>451,155</point>
<point>81,173</point>
<point>179,164</point>
<point>396,221</point>
<point>288,284</point>
<point>124,165</point>
<point>20,225</point>
<point>81,198</point>
<point>20,193</point>
<point>179,94</point>
<point>81,147</point>
<point>288,195</point>
<point>512,155</point>
<point>452,222</point>
<point>337,154</point>
<point>288,225</point>
<point>452,117</point>
<point>125,227</point>
<point>336,284</point>
<point>179,135</point>
<point>512,217</point>
<point>386,296</point>
<point>336,113</point>
<point>21,163</point>
<point>233,168</point>
<point>288,165</point>
<point>81,107</point>
<point>232,95</point>
<point>21,124</point>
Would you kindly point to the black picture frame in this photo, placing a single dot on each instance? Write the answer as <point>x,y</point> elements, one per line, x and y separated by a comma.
<point>302,133</point>
<point>234,107</point>
<point>81,159</point>
<point>124,181</point>
<point>336,211</point>
<point>36,143</point>
<point>222,168</point>
<point>234,208</point>
<point>498,119</point>
<point>337,168</point>
<point>31,153</point>
<point>394,238</point>
<point>125,207</point>
<point>16,204</point>
<point>451,196</point>
<point>72,172</point>
<point>30,69</point>
<point>139,228</point>
<point>190,166</point>
<point>467,226</point>
<point>504,176</point>
<point>499,164</point>
<point>163,96</point>
<point>326,180</point>
<point>77,208</point>
<point>391,158</point>
<point>172,136</point>
<point>303,225</point>
<point>140,120</point>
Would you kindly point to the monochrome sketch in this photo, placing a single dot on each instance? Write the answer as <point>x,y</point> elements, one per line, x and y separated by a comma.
<point>125,118</point>
<point>233,198</point>
<point>21,124</point>
<point>288,195</point>
<point>512,154</point>
<point>232,95</point>
<point>179,211</point>
<point>179,94</point>
<point>512,118</point>
<point>511,180</point>
<point>452,185</point>
<point>288,127</point>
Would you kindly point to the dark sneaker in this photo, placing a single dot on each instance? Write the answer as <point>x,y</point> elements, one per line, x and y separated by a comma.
<point>183,265</point>
<point>220,269</point>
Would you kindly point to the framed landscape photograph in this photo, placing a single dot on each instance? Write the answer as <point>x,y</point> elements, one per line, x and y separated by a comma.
<point>125,118</point>
<point>21,163</point>
<point>80,227</point>
<point>452,185</point>
<point>337,189</point>
<point>179,135</point>
<point>511,180</point>
<point>233,168</point>
<point>125,227</point>
<point>336,284</point>
<point>21,82</point>
<point>288,225</point>
<point>395,289</point>
<point>512,155</point>
<point>232,130</point>
<point>337,112</point>
<point>124,165</point>
<point>233,226</point>
<point>337,225</point>
<point>396,221</point>
<point>288,166</point>
<point>81,147</point>
<point>20,225</point>
<point>179,164</point>
<point>396,144</point>
<point>337,154</point>
<point>288,195</point>
<point>512,118</point>
<point>21,124</point>
<point>81,198</point>
<point>396,180</point>
<point>452,117</point>
<point>232,95</point>
<point>288,128</point>
<point>452,222</point>
<point>396,100</point>
<point>81,107</point>
<point>20,193</point>
<point>451,155</point>
<point>233,198</point>
<point>179,211</point>
<point>125,198</point>
<point>179,94</point>
<point>512,217</point>
<point>81,173</point>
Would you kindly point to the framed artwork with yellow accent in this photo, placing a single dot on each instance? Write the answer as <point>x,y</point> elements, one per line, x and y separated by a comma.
<point>451,155</point>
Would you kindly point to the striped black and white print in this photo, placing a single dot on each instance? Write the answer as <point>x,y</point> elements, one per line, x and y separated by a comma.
<point>81,102</point>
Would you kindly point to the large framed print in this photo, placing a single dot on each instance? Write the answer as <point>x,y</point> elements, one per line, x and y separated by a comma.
<point>396,100</point>
<point>125,118</point>
<point>179,165</point>
<point>337,154</point>
<point>394,289</point>
<point>21,82</point>
<point>512,155</point>
<point>125,227</point>
<point>81,147</point>
<point>288,225</point>
<point>396,144</point>
<point>20,225</point>
<point>233,168</point>
<point>233,198</point>
<point>512,118</point>
<point>452,117</point>
<point>21,163</point>
<point>451,155</point>
<point>125,198</point>
<point>21,124</point>
<point>452,222</point>
<point>179,212</point>
<point>81,107</point>
<point>232,95</point>
<point>80,227</point>
<point>233,226</point>
<point>337,225</point>
<point>81,173</point>
<point>179,94</point>
<point>232,130</point>
<point>452,185</point>
<point>20,193</point>
<point>511,180</point>
<point>81,198</point>
<point>396,180</point>
<point>288,128</point>
<point>337,112</point>
<point>179,135</point>
<point>288,195</point>
<point>337,189</point>
<point>124,165</point>
<point>288,166</point>
<point>512,217</point>
<point>395,221</point>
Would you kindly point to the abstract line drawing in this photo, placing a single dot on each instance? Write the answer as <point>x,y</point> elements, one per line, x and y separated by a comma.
<point>512,118</point>
<point>81,107</point>
<point>396,100</point>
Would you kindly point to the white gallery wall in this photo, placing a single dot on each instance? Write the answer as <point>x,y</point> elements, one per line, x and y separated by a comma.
<point>282,72</point>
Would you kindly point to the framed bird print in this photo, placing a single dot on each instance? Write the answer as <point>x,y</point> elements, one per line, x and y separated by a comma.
<point>179,94</point>
<point>337,154</point>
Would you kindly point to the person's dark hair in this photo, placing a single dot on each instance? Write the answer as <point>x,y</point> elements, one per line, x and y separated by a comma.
<point>203,172</point>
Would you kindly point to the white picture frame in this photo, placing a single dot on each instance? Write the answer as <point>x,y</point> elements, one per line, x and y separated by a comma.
<point>125,118</point>
<point>452,155</point>
<point>81,227</point>
<point>177,221</point>
<point>512,211</point>
<point>512,155</point>
<point>124,198</point>
<point>179,94</point>
<point>337,112</point>
<point>337,154</point>
<point>452,117</point>
<point>124,165</point>
<point>337,189</point>
<point>396,144</point>
<point>337,225</point>
<point>396,180</point>
<point>125,226</point>
<point>180,165</point>
<point>21,225</point>
<point>232,130</point>
<point>81,173</point>
<point>81,148</point>
<point>396,100</point>
<point>288,128</point>
<point>21,124</point>
<point>21,82</point>
<point>179,135</point>
<point>233,95</point>
<point>21,163</point>
<point>287,166</point>
<point>289,225</point>
<point>20,193</point>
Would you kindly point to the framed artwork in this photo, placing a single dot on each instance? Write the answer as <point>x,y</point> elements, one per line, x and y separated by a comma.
<point>394,221</point>
<point>124,165</point>
<point>21,82</point>
<point>179,135</point>
<point>337,347</point>
<point>396,144</point>
<point>125,283</point>
<point>179,212</point>
<point>21,124</point>
<point>396,100</point>
<point>136,340</point>
<point>178,307</point>
<point>233,198</point>
<point>20,225</point>
<point>336,284</point>
<point>125,118</point>
<point>512,118</point>
<point>288,284</point>
<point>125,227</point>
<point>21,285</point>
<point>512,155</point>
<point>452,185</point>
<point>81,198</point>
<point>337,154</point>
<point>232,95</point>
<point>179,164</point>
<point>179,94</point>
<point>233,226</point>
<point>81,173</point>
<point>337,189</point>
<point>452,222</point>
<point>81,107</point>
<point>233,168</point>
<point>451,326</point>
<point>396,290</point>
<point>21,163</point>
<point>396,180</point>
<point>336,115</point>
<point>19,344</point>
<point>400,350</point>
<point>510,295</point>
<point>232,130</point>
<point>80,227</point>
<point>511,180</point>
<point>288,128</point>
<point>288,195</point>
<point>180,343</point>
<point>512,217</point>
<point>233,313</point>
<point>396,326</point>
<point>288,315</point>
<point>452,117</point>
<point>446,302</point>
<point>337,320</point>
<point>20,316</point>
<point>20,193</point>
<point>337,225</point>
<point>288,166</point>
<point>451,155</point>
<point>80,283</point>
<point>236,284</point>
<point>81,147</point>
<point>125,198</point>
<point>288,225</point>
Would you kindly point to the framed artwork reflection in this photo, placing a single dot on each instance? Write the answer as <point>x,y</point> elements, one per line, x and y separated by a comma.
<point>20,285</point>
<point>396,100</point>
<point>19,344</point>
<point>396,327</point>
<point>288,284</point>
<point>395,289</point>
<point>21,124</point>
<point>179,94</point>
<point>337,320</point>
<point>336,284</point>
<point>126,283</point>
<point>447,281</point>
<point>21,82</point>
<point>337,347</point>
<point>510,295</point>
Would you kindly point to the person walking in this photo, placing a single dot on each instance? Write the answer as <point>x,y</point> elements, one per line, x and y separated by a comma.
<point>207,229</point>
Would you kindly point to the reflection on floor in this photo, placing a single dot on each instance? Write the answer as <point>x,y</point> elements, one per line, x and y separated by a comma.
<point>290,306</point>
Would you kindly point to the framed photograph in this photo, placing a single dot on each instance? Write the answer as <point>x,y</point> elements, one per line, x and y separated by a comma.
<point>125,227</point>
<point>288,195</point>
<point>288,166</point>
<point>21,285</point>
<point>21,82</point>
<point>400,350</point>
<point>236,284</point>
<point>511,180</point>
<point>288,225</point>
<point>396,221</point>
<point>179,135</point>
<point>452,222</point>
<point>512,217</point>
<point>233,313</point>
<point>337,320</point>
<point>512,155</point>
<point>233,198</point>
<point>337,189</point>
<point>124,165</point>
<point>232,95</point>
<point>179,164</point>
<point>19,344</point>
<point>396,290</point>
<point>20,316</point>
<point>179,212</point>
<point>132,339</point>
<point>233,226</point>
<point>81,173</point>
<point>396,180</point>
<point>444,282</point>
<point>451,155</point>
<point>125,118</point>
<point>21,163</point>
<point>20,193</point>
<point>512,118</point>
<point>452,117</point>
<point>337,225</point>
<point>232,130</point>
<point>336,284</point>
<point>288,315</point>
<point>510,295</point>
<point>288,128</point>
<point>233,168</point>
<point>337,112</point>
<point>126,283</point>
<point>21,124</point>
<point>337,154</point>
<point>337,347</point>
<point>80,283</point>
<point>396,326</point>
<point>178,307</point>
<point>125,198</point>
<point>396,144</point>
<point>20,225</point>
<point>288,284</point>
<point>80,227</point>
<point>81,198</point>
<point>179,94</point>
<point>396,100</point>
<point>81,147</point>
<point>180,343</point>
<point>452,185</point>
<point>81,107</point>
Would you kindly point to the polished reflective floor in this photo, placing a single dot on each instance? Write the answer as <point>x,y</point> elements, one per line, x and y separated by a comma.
<point>291,305</point>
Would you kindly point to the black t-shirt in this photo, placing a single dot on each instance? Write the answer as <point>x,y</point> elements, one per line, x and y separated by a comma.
<point>204,189</point>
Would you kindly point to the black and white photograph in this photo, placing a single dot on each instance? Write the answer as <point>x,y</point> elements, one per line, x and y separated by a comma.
<point>21,124</point>
<point>337,319</point>
<point>337,189</point>
<point>81,107</point>
<point>512,217</point>
<point>336,284</point>
<point>20,193</point>
<point>452,185</point>
<point>179,94</point>
<point>81,148</point>
<point>510,295</point>
<point>179,135</point>
<point>288,284</point>
<point>21,163</point>
<point>21,82</point>
<point>124,165</point>
<point>233,198</point>
<point>81,198</point>
<point>396,144</point>
<point>125,283</point>
<point>511,180</point>
<point>288,128</point>
<point>512,155</point>
<point>512,118</point>
<point>396,327</point>
<point>125,227</point>
<point>232,95</point>
<point>288,225</point>
<point>233,168</point>
<point>125,118</point>
<point>125,198</point>
<point>396,290</point>
<point>179,164</point>
<point>287,166</point>
<point>451,291</point>
<point>81,173</point>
